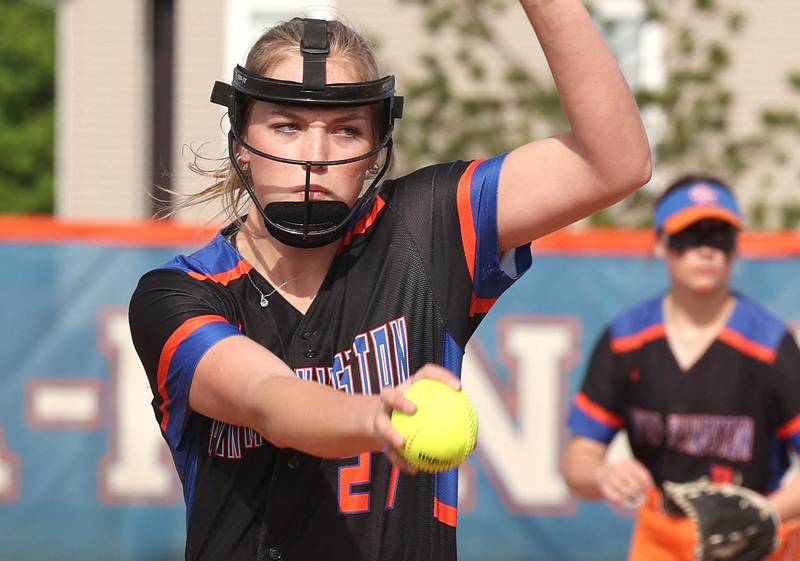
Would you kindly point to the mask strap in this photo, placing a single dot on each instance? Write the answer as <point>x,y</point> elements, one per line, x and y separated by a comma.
<point>305,199</point>
<point>315,49</point>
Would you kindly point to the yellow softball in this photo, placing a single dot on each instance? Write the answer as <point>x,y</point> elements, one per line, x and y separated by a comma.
<point>444,429</point>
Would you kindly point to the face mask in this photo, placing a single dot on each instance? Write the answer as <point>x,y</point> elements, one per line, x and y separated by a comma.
<point>309,224</point>
<point>714,234</point>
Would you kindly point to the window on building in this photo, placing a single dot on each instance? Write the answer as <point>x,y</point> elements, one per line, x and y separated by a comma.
<point>247,19</point>
<point>638,44</point>
<point>636,41</point>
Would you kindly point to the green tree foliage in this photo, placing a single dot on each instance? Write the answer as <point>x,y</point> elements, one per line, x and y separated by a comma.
<point>465,102</point>
<point>783,137</point>
<point>27,92</point>
<point>486,99</point>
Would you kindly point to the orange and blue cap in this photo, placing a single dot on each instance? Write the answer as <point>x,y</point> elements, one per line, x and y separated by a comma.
<point>695,201</point>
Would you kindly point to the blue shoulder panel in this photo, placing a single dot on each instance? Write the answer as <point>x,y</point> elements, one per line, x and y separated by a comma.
<point>217,256</point>
<point>638,318</point>
<point>756,324</point>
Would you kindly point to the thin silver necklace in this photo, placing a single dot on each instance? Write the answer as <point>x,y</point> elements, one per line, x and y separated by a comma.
<point>264,302</point>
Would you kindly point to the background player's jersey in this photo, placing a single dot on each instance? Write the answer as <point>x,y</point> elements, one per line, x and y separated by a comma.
<point>733,416</point>
<point>414,276</point>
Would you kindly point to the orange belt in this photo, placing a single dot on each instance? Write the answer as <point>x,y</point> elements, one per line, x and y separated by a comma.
<point>660,537</point>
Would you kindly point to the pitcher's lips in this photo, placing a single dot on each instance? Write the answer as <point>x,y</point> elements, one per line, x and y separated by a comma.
<point>313,188</point>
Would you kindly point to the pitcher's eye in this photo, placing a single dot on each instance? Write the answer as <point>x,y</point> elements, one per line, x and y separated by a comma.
<point>349,132</point>
<point>286,127</point>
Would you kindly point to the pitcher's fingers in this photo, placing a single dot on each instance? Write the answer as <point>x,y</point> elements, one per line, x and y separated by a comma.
<point>388,433</point>
<point>394,399</point>
<point>398,460</point>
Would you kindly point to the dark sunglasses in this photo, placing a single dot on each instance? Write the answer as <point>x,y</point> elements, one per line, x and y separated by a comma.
<point>709,233</point>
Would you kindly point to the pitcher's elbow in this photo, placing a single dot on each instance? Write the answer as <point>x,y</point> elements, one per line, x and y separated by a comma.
<point>633,174</point>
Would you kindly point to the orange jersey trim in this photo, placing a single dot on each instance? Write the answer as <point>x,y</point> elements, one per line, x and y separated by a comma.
<point>225,277</point>
<point>597,412</point>
<point>172,344</point>
<point>747,346</point>
<point>445,513</point>
<point>480,305</point>
<point>789,428</point>
<point>465,217</point>
<point>365,222</point>
<point>393,477</point>
<point>635,341</point>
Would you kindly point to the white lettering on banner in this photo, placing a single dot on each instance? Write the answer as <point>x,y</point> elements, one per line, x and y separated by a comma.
<point>522,420</point>
<point>137,468</point>
<point>63,403</point>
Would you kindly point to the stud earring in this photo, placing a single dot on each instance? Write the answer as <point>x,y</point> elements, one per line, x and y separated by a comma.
<point>242,162</point>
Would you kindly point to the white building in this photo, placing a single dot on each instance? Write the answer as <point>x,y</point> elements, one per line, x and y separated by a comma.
<point>134,78</point>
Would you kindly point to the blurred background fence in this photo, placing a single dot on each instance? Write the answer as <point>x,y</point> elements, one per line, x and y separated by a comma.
<point>84,473</point>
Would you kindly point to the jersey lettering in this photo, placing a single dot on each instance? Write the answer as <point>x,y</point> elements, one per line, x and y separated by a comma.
<point>729,437</point>
<point>394,478</point>
<point>354,482</point>
<point>227,440</point>
<point>361,348</point>
<point>342,372</point>
<point>382,350</point>
<point>647,427</point>
<point>357,475</point>
<point>724,436</point>
<point>380,339</point>
<point>400,338</point>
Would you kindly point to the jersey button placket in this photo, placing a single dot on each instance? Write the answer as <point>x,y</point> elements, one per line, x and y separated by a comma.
<point>275,553</point>
<point>305,335</point>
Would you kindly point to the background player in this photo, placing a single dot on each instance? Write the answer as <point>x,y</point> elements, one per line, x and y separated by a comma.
<point>705,381</point>
<point>245,341</point>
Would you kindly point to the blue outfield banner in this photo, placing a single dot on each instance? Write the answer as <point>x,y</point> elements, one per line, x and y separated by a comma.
<point>85,475</point>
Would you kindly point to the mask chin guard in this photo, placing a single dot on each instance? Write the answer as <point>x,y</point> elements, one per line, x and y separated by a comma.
<point>309,223</point>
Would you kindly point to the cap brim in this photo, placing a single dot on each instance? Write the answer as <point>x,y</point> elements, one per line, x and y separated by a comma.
<point>689,216</point>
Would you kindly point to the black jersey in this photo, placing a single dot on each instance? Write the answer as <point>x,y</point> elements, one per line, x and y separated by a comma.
<point>415,274</point>
<point>733,416</point>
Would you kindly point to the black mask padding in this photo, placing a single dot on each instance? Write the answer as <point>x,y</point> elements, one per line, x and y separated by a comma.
<point>708,233</point>
<point>322,214</point>
<point>327,221</point>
